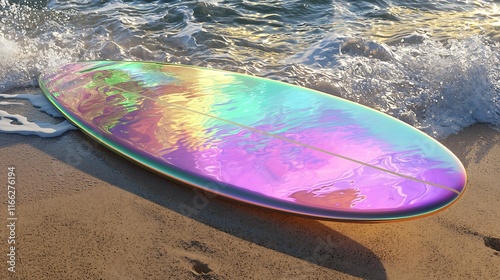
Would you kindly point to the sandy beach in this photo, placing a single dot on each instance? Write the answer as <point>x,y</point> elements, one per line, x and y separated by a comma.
<point>72,209</point>
<point>85,213</point>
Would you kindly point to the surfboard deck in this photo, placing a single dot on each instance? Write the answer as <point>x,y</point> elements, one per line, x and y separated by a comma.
<point>259,141</point>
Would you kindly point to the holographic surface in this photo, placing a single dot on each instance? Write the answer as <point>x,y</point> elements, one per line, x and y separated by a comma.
<point>259,141</point>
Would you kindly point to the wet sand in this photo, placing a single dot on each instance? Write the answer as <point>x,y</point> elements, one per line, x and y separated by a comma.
<point>86,213</point>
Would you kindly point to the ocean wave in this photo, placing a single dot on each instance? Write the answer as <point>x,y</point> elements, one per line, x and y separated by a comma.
<point>437,87</point>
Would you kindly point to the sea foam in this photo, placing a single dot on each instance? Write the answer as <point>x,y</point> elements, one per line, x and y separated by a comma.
<point>15,123</point>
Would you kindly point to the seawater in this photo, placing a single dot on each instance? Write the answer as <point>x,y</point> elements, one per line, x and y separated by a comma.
<point>432,64</point>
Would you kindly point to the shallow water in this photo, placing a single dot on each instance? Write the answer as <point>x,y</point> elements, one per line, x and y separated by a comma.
<point>432,64</point>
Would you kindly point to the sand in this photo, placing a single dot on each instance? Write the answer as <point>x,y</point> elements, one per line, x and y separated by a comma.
<point>86,213</point>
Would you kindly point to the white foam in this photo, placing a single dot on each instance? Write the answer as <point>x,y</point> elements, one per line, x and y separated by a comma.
<point>38,100</point>
<point>14,123</point>
<point>21,60</point>
<point>10,103</point>
<point>437,87</point>
<point>26,127</point>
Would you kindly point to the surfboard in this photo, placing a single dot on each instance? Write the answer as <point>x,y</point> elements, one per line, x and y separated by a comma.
<point>259,141</point>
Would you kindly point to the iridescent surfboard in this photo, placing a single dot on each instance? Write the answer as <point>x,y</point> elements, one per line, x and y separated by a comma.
<point>259,141</point>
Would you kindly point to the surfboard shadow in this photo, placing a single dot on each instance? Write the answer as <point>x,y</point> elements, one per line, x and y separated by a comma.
<point>302,238</point>
<point>305,239</point>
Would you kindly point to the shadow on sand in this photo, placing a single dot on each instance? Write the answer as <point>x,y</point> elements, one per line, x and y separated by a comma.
<point>301,238</point>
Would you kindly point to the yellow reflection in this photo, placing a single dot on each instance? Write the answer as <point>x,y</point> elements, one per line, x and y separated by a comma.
<point>440,24</point>
<point>196,91</point>
<point>265,39</point>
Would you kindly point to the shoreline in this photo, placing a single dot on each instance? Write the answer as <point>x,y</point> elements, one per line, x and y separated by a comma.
<point>86,213</point>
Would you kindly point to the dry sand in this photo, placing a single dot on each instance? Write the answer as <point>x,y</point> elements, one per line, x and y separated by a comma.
<point>85,213</point>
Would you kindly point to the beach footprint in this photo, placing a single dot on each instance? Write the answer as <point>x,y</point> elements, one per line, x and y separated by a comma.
<point>195,254</point>
<point>200,267</point>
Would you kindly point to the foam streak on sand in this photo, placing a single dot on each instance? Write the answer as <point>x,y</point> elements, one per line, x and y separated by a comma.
<point>14,123</point>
